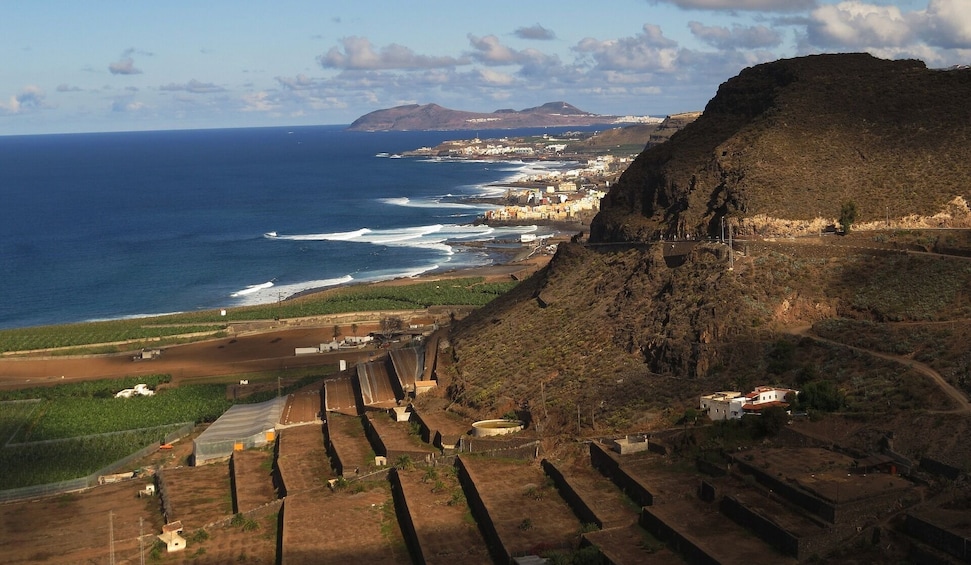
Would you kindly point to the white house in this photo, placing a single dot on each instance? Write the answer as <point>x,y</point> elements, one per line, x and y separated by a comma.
<point>732,405</point>
<point>724,405</point>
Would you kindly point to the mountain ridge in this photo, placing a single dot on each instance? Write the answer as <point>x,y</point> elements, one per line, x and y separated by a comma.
<point>412,117</point>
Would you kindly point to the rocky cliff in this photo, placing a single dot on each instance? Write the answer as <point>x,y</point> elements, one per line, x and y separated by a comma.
<point>614,332</point>
<point>786,143</point>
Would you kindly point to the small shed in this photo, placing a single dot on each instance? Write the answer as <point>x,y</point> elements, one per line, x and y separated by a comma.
<point>171,536</point>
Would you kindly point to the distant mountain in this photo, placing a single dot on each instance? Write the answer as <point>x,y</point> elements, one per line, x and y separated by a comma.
<point>414,117</point>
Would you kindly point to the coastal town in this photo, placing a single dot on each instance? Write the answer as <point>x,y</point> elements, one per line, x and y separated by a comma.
<point>568,187</point>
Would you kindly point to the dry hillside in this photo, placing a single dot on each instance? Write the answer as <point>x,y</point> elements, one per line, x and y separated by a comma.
<point>620,334</point>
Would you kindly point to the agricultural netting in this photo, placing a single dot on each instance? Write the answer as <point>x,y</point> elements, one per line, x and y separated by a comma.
<point>243,426</point>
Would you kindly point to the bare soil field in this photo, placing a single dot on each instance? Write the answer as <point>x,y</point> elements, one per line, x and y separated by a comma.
<point>448,427</point>
<point>229,543</point>
<point>631,545</point>
<point>398,439</point>
<point>302,459</point>
<point>197,495</point>
<point>443,524</point>
<point>252,470</point>
<point>351,446</point>
<point>228,356</point>
<point>302,407</point>
<point>74,527</point>
<point>611,506</point>
<point>528,513</point>
<point>339,395</point>
<point>361,528</point>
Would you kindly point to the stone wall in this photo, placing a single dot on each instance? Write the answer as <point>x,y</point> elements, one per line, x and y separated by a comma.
<point>609,466</point>
<point>572,497</point>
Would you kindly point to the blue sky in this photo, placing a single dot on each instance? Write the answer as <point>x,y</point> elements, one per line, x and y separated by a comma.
<point>102,65</point>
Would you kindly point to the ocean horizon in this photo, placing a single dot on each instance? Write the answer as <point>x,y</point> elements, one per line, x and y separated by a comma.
<point>116,225</point>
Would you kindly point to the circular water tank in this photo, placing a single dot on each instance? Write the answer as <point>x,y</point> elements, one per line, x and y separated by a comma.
<point>484,428</point>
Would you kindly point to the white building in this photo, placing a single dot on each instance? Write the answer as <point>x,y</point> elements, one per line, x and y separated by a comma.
<point>732,405</point>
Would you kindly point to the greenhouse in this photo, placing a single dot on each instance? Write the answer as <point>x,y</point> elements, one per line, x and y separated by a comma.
<point>243,426</point>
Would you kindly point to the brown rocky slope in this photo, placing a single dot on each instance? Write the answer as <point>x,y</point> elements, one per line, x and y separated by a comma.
<point>615,334</point>
<point>795,139</point>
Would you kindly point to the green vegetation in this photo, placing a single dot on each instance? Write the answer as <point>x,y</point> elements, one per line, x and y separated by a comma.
<point>51,434</point>
<point>471,291</point>
<point>847,216</point>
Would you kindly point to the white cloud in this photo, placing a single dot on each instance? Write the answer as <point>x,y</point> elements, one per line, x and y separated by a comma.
<point>743,5</point>
<point>489,51</point>
<point>125,65</point>
<point>946,23</point>
<point>194,87</point>
<point>648,51</point>
<point>29,98</point>
<point>738,37</point>
<point>359,54</point>
<point>854,24</point>
<point>493,78</point>
<point>535,32</point>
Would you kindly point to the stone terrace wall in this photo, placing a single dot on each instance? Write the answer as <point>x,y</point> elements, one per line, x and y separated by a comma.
<point>496,549</point>
<point>653,520</point>
<point>404,517</point>
<point>572,497</point>
<point>609,466</point>
<point>937,537</point>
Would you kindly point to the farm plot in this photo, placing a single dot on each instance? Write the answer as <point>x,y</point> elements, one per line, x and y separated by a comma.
<point>197,495</point>
<point>302,407</point>
<point>527,512</point>
<point>302,459</point>
<point>74,527</point>
<point>339,395</point>
<point>350,451</point>
<point>400,439</point>
<point>440,514</point>
<point>253,478</point>
<point>366,531</point>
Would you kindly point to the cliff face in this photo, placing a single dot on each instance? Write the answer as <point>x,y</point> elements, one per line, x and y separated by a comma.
<point>786,142</point>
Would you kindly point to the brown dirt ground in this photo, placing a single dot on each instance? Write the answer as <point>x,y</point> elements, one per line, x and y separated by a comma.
<point>396,436</point>
<point>339,395</point>
<point>341,528</point>
<point>347,436</point>
<point>228,356</point>
<point>528,514</point>
<point>444,527</point>
<point>254,478</point>
<point>75,526</point>
<point>302,459</point>
<point>303,406</point>
<point>198,495</point>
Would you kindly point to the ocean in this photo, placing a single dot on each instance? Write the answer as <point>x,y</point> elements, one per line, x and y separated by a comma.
<point>113,225</point>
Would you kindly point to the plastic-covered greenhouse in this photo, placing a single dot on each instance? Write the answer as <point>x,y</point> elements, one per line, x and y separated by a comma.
<point>242,426</point>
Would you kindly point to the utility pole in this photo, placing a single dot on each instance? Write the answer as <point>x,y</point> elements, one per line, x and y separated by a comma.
<point>111,538</point>
<point>141,550</point>
<point>731,251</point>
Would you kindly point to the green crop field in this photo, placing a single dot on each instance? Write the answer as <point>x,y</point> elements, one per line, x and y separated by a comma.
<point>471,291</point>
<point>50,434</point>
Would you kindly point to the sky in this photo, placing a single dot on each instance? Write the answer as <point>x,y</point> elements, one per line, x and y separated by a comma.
<point>107,65</point>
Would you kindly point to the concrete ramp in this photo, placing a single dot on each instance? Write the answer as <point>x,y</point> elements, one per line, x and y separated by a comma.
<point>408,364</point>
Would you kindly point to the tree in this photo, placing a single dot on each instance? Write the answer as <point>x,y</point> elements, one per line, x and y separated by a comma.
<point>337,331</point>
<point>390,325</point>
<point>847,215</point>
<point>354,329</point>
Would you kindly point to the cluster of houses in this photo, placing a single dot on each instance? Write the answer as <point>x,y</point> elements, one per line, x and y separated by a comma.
<point>349,342</point>
<point>732,405</point>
